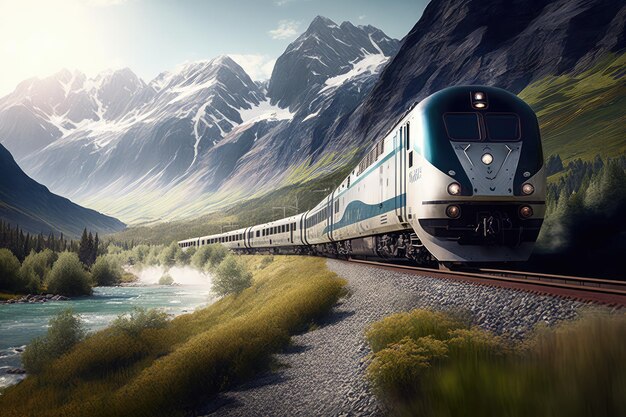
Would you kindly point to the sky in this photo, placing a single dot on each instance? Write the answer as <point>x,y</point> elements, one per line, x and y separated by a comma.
<point>40,37</point>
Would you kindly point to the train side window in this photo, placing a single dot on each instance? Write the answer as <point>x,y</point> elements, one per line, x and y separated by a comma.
<point>410,159</point>
<point>258,233</point>
<point>408,138</point>
<point>462,126</point>
<point>503,127</point>
<point>283,228</point>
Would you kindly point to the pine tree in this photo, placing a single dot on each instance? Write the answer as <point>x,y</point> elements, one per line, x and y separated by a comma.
<point>83,248</point>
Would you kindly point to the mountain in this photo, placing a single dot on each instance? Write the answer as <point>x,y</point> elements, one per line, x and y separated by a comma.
<point>508,44</point>
<point>204,135</point>
<point>30,205</point>
<point>324,51</point>
<point>195,137</point>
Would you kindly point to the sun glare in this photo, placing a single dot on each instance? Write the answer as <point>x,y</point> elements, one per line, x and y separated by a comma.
<point>38,38</point>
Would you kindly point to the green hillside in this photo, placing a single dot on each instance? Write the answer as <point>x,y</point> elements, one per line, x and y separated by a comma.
<point>582,115</point>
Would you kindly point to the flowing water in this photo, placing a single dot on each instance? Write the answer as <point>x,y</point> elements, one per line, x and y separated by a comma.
<point>20,323</point>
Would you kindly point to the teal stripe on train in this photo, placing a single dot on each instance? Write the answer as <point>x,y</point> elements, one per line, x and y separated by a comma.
<point>357,211</point>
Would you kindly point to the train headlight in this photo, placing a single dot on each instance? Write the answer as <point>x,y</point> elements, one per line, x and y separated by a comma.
<point>528,189</point>
<point>487,158</point>
<point>525,212</point>
<point>454,188</point>
<point>479,100</point>
<point>453,212</point>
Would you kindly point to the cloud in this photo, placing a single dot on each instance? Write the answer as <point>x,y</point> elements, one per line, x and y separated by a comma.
<point>286,29</point>
<point>282,2</point>
<point>259,67</point>
<point>362,17</point>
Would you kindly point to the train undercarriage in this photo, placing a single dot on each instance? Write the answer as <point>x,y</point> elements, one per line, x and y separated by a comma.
<point>399,246</point>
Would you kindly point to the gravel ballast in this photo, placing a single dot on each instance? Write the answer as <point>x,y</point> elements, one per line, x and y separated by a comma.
<point>323,372</point>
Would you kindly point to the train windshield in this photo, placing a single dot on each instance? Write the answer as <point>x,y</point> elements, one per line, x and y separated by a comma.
<point>502,127</point>
<point>489,127</point>
<point>463,126</point>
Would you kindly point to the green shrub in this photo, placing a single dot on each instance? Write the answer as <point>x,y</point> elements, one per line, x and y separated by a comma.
<point>184,256</point>
<point>202,256</point>
<point>170,254</point>
<point>9,271</point>
<point>141,253</point>
<point>576,369</point>
<point>166,279</point>
<point>65,331</point>
<point>415,324</point>
<point>396,369</point>
<point>68,277</point>
<point>139,320</point>
<point>29,280</point>
<point>231,277</point>
<point>40,263</point>
<point>218,253</point>
<point>106,271</point>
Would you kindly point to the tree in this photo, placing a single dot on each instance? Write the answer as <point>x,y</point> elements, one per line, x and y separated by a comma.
<point>140,319</point>
<point>9,271</point>
<point>231,276</point>
<point>105,271</point>
<point>166,279</point>
<point>83,248</point>
<point>65,331</point>
<point>68,277</point>
<point>169,255</point>
<point>201,257</point>
<point>218,254</point>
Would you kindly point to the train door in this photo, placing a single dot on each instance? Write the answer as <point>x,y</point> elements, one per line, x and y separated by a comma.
<point>400,174</point>
<point>330,210</point>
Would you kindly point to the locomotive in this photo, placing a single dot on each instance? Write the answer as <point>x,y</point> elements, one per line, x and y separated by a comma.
<point>460,178</point>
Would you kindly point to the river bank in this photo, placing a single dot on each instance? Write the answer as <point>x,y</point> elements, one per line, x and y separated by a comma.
<point>22,322</point>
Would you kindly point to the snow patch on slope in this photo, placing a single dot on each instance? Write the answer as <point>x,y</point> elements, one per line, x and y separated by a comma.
<point>370,64</point>
<point>264,111</point>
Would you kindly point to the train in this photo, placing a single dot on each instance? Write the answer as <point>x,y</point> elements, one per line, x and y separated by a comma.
<point>458,179</point>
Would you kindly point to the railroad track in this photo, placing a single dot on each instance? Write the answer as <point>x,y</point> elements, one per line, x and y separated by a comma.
<point>585,289</point>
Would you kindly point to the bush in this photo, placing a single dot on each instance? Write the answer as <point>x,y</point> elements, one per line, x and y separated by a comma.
<point>576,369</point>
<point>170,254</point>
<point>106,271</point>
<point>231,277</point>
<point>9,271</point>
<point>65,331</point>
<point>218,253</point>
<point>40,263</point>
<point>68,277</point>
<point>166,279</point>
<point>202,256</point>
<point>399,366</point>
<point>415,324</point>
<point>140,319</point>
<point>29,280</point>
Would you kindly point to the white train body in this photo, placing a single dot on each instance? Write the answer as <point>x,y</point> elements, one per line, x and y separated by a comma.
<point>460,178</point>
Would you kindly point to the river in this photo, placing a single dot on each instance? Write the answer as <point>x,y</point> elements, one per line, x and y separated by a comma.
<point>20,323</point>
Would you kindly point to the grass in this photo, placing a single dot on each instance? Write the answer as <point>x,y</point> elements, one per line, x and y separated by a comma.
<point>582,115</point>
<point>430,364</point>
<point>4,296</point>
<point>169,371</point>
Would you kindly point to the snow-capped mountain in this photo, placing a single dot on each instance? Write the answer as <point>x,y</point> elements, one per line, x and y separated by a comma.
<point>194,135</point>
<point>323,57</point>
